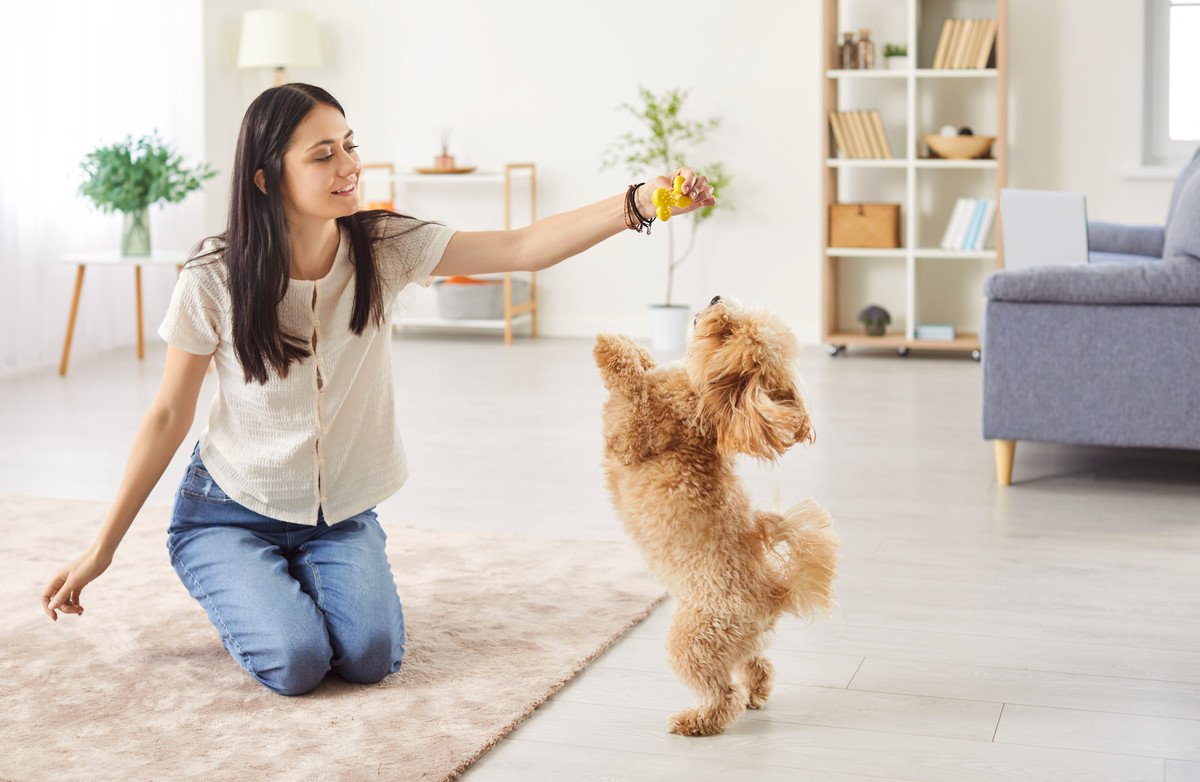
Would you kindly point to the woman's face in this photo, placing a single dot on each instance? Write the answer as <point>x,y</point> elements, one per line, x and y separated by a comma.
<point>321,159</point>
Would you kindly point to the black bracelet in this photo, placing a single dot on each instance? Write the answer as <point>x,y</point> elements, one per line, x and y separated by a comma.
<point>631,204</point>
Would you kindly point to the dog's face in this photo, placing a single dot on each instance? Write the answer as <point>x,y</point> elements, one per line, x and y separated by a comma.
<point>740,365</point>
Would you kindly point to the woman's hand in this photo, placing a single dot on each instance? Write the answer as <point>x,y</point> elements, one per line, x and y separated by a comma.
<point>63,591</point>
<point>695,187</point>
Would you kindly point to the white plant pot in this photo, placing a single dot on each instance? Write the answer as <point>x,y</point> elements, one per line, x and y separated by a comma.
<point>669,326</point>
<point>897,63</point>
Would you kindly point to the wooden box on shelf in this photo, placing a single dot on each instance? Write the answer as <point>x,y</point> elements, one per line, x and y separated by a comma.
<point>864,225</point>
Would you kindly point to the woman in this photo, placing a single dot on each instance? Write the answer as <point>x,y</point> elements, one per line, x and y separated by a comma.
<point>273,529</point>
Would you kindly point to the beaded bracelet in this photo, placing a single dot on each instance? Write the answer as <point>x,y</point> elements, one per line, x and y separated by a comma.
<point>632,212</point>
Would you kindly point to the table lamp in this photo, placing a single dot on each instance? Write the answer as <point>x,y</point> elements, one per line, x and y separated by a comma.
<point>277,39</point>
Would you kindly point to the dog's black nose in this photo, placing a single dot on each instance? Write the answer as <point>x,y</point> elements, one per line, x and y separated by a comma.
<point>714,300</point>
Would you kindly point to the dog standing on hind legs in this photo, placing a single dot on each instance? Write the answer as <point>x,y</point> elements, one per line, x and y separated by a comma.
<point>671,436</point>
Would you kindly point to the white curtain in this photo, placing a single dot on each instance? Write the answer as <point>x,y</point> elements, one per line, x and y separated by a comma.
<point>76,75</point>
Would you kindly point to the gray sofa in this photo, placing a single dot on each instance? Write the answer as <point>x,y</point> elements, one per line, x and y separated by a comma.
<point>1102,354</point>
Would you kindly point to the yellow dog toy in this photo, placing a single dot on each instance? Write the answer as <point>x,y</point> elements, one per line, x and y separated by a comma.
<point>663,199</point>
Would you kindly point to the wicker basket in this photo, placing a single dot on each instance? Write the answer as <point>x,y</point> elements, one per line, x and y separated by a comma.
<point>864,225</point>
<point>482,299</point>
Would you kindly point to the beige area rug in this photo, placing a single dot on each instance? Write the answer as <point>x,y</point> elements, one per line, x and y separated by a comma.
<point>139,686</point>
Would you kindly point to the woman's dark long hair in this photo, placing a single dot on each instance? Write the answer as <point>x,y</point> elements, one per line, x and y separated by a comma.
<point>255,245</point>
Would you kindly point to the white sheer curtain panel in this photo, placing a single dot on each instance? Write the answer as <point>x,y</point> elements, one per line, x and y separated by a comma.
<point>76,75</point>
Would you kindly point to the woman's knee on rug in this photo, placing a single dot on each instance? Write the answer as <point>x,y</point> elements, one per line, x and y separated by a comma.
<point>371,653</point>
<point>295,665</point>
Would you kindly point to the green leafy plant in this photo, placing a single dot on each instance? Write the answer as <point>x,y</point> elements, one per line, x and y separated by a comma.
<point>661,150</point>
<point>129,175</point>
<point>895,50</point>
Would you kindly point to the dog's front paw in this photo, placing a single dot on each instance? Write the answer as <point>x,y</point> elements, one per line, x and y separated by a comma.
<point>694,722</point>
<point>623,362</point>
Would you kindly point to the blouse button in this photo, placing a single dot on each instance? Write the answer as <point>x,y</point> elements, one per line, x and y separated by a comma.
<point>317,322</point>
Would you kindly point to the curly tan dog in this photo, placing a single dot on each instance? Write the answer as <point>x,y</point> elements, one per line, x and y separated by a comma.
<point>671,435</point>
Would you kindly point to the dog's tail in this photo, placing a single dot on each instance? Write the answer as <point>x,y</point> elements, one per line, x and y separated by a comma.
<point>807,562</point>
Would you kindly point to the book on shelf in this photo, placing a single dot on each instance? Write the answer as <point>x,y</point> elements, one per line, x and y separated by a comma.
<point>859,134</point>
<point>941,332</point>
<point>970,224</point>
<point>965,43</point>
<point>939,56</point>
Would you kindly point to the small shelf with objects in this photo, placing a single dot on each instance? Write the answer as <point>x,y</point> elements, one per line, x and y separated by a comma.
<point>512,295</point>
<point>914,156</point>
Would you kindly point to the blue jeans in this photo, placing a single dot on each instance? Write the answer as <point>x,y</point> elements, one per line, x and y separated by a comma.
<point>290,601</point>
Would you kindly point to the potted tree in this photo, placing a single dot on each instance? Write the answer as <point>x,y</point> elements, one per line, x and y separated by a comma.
<point>129,176</point>
<point>661,149</point>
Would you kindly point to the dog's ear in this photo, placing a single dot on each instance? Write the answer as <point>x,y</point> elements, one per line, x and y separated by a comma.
<point>622,360</point>
<point>752,419</point>
<point>748,395</point>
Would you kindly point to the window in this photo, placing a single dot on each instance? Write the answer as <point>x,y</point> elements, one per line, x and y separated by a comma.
<point>1172,105</point>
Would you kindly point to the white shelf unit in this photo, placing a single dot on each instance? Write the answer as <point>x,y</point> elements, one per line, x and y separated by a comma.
<point>514,314</point>
<point>917,87</point>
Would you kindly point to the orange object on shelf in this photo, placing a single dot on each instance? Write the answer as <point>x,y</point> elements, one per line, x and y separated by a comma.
<point>381,205</point>
<point>460,279</point>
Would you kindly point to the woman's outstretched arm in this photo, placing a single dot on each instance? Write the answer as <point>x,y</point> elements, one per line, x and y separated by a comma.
<point>546,242</point>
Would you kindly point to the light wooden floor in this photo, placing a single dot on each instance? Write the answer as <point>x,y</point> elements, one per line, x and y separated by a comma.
<point>1047,631</point>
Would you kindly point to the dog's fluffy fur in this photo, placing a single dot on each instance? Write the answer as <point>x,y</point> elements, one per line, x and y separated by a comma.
<point>671,435</point>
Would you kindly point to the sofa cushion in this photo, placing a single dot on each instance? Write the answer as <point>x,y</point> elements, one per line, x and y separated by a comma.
<point>1181,235</point>
<point>1126,258</point>
<point>1120,238</point>
<point>1167,281</point>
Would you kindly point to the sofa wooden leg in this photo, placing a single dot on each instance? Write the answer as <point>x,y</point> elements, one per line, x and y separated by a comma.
<point>1005,449</point>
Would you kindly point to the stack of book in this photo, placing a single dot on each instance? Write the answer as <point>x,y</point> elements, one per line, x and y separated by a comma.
<point>942,332</point>
<point>970,224</point>
<point>859,134</point>
<point>965,43</point>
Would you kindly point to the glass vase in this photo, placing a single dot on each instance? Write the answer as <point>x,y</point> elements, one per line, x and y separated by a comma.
<point>135,232</point>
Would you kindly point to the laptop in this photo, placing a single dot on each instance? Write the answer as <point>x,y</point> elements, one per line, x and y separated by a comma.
<point>1043,228</point>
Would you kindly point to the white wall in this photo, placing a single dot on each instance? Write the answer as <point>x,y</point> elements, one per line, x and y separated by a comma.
<point>541,81</point>
<point>1076,107</point>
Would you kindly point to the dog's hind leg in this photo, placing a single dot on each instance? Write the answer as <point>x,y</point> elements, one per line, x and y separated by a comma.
<point>704,651</point>
<point>758,674</point>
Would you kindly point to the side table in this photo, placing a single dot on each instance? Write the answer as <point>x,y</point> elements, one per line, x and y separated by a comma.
<point>174,258</point>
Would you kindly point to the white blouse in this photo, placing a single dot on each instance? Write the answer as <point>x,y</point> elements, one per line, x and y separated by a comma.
<point>325,436</point>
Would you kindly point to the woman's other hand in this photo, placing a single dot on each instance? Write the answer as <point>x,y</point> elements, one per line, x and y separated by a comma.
<point>63,591</point>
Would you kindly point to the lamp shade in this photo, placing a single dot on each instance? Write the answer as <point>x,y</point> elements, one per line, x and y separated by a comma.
<point>273,39</point>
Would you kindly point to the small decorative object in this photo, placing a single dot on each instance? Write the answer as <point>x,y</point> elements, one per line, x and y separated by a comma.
<point>965,131</point>
<point>948,130</point>
<point>444,163</point>
<point>875,320</point>
<point>663,199</point>
<point>866,49</point>
<point>896,55</point>
<point>445,160</point>
<point>848,52</point>
<point>959,147</point>
<point>129,176</point>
